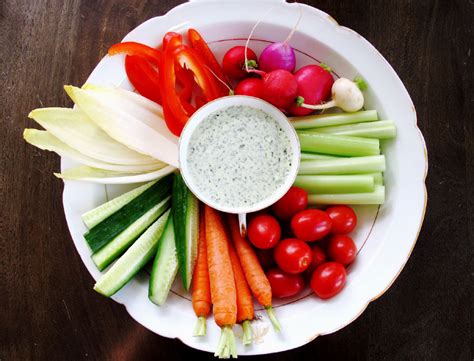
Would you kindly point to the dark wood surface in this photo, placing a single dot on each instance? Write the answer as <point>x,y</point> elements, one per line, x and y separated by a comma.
<point>48,310</point>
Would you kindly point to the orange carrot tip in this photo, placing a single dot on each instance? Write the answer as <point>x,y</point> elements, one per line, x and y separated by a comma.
<point>200,328</point>
<point>247,332</point>
<point>273,318</point>
<point>226,347</point>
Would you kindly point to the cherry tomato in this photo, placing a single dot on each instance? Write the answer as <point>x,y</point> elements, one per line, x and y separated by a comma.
<point>342,249</point>
<point>284,284</point>
<point>251,86</point>
<point>319,257</point>
<point>233,63</point>
<point>264,231</point>
<point>311,225</point>
<point>294,201</point>
<point>343,218</point>
<point>328,279</point>
<point>293,255</point>
<point>265,257</point>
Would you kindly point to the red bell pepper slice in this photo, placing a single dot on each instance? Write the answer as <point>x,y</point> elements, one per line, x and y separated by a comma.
<point>171,35</point>
<point>133,48</point>
<point>199,44</point>
<point>144,77</point>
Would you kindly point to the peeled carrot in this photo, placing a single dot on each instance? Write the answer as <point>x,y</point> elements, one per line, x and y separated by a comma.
<point>200,282</point>
<point>221,277</point>
<point>253,271</point>
<point>245,311</point>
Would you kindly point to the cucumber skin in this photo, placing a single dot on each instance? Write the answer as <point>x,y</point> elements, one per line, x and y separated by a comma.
<point>156,295</point>
<point>145,258</point>
<point>104,232</point>
<point>183,201</point>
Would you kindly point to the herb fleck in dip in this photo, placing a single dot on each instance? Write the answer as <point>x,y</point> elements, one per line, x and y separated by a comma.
<point>239,156</point>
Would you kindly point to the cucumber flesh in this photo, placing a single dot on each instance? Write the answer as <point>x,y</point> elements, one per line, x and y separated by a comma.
<point>97,215</point>
<point>132,261</point>
<point>106,255</point>
<point>165,266</point>
<point>107,230</point>
<point>185,209</point>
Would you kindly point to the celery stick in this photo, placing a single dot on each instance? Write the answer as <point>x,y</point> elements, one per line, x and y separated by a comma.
<point>327,120</point>
<point>313,156</point>
<point>338,144</point>
<point>383,129</point>
<point>376,197</point>
<point>335,184</point>
<point>378,178</point>
<point>356,165</point>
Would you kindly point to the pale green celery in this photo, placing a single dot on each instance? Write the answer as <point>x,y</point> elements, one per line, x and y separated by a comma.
<point>384,129</point>
<point>335,184</point>
<point>375,197</point>
<point>378,178</point>
<point>356,165</point>
<point>313,156</point>
<point>341,145</point>
<point>327,120</point>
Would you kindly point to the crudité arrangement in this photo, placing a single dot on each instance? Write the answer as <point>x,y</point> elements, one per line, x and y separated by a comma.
<point>121,136</point>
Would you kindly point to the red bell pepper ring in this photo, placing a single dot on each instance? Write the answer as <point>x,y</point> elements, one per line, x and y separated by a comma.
<point>144,77</point>
<point>198,43</point>
<point>185,79</point>
<point>133,48</point>
<point>171,35</point>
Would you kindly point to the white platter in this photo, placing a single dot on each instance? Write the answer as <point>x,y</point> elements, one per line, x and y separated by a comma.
<point>385,236</point>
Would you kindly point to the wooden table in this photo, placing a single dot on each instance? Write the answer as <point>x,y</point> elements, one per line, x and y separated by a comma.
<point>48,308</point>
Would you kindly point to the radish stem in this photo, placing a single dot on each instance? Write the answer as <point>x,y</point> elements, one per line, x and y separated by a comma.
<point>375,197</point>
<point>296,25</point>
<point>327,120</point>
<point>356,165</point>
<point>338,144</point>
<point>335,184</point>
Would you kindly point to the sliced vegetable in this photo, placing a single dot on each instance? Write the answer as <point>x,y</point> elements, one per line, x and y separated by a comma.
<point>327,120</point>
<point>46,141</point>
<point>313,156</point>
<point>342,145</point>
<point>102,176</point>
<point>376,197</point>
<point>318,184</point>
<point>165,265</point>
<point>383,129</point>
<point>186,228</point>
<point>144,77</point>
<point>137,49</point>
<point>120,122</point>
<point>133,260</point>
<point>108,253</point>
<point>97,215</point>
<point>74,128</point>
<point>356,165</point>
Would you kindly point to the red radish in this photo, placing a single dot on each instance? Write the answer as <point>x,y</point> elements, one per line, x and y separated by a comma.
<point>237,61</point>
<point>280,88</point>
<point>314,86</point>
<point>251,87</point>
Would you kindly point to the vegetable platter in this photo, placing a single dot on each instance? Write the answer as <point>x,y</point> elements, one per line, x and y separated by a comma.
<point>157,226</point>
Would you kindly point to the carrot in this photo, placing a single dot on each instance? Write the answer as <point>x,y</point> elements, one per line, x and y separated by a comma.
<point>245,311</point>
<point>221,277</point>
<point>253,271</point>
<point>200,282</point>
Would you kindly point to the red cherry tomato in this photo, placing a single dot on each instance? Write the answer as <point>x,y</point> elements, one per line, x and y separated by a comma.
<point>233,63</point>
<point>264,231</point>
<point>311,225</point>
<point>284,284</point>
<point>343,219</point>
<point>293,255</point>
<point>251,86</point>
<point>328,279</point>
<point>342,249</point>
<point>265,257</point>
<point>294,201</point>
<point>319,257</point>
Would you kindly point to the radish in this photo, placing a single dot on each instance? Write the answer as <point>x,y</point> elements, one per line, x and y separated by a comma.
<point>314,87</point>
<point>345,95</point>
<point>251,87</point>
<point>237,60</point>
<point>280,88</point>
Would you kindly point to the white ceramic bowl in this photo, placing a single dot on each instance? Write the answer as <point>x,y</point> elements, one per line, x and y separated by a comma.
<point>385,236</point>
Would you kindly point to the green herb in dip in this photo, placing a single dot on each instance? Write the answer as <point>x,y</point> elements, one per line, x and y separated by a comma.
<point>239,156</point>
